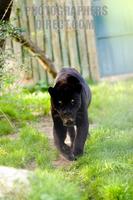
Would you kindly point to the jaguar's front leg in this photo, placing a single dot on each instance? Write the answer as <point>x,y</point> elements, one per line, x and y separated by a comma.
<point>59,132</point>
<point>82,132</point>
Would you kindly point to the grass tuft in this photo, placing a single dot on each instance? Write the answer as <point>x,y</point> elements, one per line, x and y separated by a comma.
<point>31,147</point>
<point>5,127</point>
<point>52,185</point>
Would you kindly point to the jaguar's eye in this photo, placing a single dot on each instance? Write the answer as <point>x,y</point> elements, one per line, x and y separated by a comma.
<point>60,102</point>
<point>72,101</point>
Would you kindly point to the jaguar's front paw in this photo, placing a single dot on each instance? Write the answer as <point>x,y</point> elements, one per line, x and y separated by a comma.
<point>71,157</point>
<point>78,152</point>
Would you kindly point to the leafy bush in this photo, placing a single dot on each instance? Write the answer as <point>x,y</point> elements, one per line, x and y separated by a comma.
<point>40,86</point>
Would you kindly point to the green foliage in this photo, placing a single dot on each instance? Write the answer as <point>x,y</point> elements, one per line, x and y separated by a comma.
<point>29,148</point>
<point>5,127</point>
<point>8,30</point>
<point>106,165</point>
<point>40,86</point>
<point>53,185</point>
<point>112,105</point>
<point>24,106</point>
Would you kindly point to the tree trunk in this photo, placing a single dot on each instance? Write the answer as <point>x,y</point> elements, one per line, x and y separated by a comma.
<point>5,11</point>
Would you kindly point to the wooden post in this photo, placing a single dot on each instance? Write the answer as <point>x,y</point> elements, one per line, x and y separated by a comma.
<point>91,43</point>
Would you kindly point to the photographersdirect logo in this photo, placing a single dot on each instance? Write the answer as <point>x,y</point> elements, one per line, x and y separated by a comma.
<point>65,17</point>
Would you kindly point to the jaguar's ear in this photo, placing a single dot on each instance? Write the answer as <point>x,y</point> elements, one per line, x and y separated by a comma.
<point>51,91</point>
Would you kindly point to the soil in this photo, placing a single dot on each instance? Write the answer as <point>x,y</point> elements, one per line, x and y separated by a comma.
<point>45,125</point>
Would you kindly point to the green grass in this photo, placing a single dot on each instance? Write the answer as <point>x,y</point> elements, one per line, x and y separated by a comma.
<point>24,106</point>
<point>53,185</point>
<point>31,147</point>
<point>5,127</point>
<point>104,172</point>
<point>112,105</point>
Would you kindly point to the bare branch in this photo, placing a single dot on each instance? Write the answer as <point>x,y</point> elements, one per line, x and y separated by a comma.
<point>46,62</point>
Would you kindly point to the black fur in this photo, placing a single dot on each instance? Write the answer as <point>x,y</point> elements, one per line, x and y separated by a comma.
<point>70,99</point>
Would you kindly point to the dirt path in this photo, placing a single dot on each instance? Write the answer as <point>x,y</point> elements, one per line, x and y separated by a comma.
<point>45,125</point>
